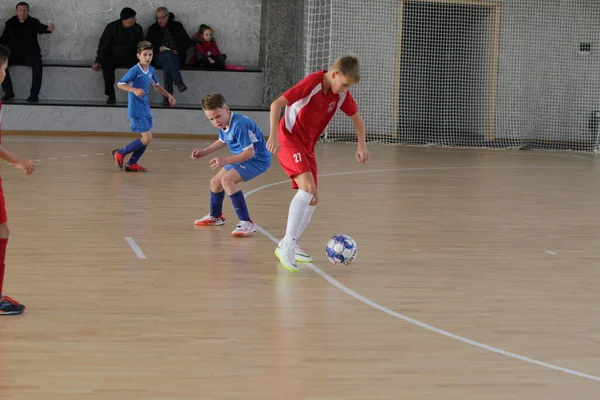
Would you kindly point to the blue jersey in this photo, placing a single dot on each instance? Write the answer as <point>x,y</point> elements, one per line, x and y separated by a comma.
<point>242,134</point>
<point>139,107</point>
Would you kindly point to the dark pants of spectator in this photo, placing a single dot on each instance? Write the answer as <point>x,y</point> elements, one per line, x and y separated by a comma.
<point>169,63</point>
<point>108,71</point>
<point>35,62</point>
<point>205,64</point>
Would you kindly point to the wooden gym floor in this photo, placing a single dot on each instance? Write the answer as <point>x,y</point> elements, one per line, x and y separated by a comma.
<point>477,278</point>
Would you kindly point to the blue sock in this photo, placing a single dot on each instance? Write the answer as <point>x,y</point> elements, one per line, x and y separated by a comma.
<point>131,147</point>
<point>216,203</point>
<point>136,156</point>
<point>239,205</point>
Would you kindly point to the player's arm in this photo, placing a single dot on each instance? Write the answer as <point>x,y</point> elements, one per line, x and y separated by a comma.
<point>215,146</point>
<point>162,91</point>
<point>25,165</point>
<point>128,88</point>
<point>362,154</point>
<point>245,155</point>
<point>124,83</point>
<point>219,162</point>
<point>274,116</point>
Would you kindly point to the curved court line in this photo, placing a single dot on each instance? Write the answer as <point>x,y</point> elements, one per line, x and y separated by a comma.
<point>413,321</point>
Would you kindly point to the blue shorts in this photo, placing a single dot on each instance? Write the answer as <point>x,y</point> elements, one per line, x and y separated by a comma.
<point>251,168</point>
<point>143,124</point>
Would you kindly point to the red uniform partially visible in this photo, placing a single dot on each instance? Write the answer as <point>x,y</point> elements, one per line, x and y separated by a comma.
<point>9,306</point>
<point>3,214</point>
<point>306,116</point>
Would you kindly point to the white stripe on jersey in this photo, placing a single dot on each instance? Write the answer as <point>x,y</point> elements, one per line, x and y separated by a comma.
<point>292,110</point>
<point>341,100</point>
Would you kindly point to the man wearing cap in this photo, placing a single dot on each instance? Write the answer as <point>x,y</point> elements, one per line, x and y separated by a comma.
<point>117,48</point>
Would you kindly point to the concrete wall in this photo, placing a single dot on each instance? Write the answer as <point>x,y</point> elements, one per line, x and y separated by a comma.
<point>79,24</point>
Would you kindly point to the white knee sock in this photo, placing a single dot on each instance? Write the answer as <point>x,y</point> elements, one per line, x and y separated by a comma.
<point>306,219</point>
<point>298,208</point>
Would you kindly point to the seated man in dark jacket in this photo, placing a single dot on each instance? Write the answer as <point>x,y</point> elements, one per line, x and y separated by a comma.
<point>118,48</point>
<point>170,41</point>
<point>20,36</point>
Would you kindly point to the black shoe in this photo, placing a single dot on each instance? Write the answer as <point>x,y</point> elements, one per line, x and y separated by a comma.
<point>9,306</point>
<point>181,87</point>
<point>8,96</point>
<point>32,99</point>
<point>111,99</point>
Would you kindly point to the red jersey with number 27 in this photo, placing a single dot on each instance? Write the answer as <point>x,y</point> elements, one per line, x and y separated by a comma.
<point>310,110</point>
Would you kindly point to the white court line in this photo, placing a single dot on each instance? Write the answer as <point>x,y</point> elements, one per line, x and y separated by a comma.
<point>136,249</point>
<point>413,321</point>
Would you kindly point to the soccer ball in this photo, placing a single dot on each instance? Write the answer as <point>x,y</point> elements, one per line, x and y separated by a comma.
<point>341,249</point>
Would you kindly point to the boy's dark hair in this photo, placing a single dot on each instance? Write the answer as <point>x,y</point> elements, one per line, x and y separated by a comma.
<point>145,45</point>
<point>22,3</point>
<point>213,101</point>
<point>4,54</point>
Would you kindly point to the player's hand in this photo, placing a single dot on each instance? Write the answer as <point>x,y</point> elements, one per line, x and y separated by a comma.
<point>138,92</point>
<point>217,162</point>
<point>172,101</point>
<point>164,48</point>
<point>25,165</point>
<point>96,66</point>
<point>196,154</point>
<point>272,144</point>
<point>362,154</point>
<point>51,28</point>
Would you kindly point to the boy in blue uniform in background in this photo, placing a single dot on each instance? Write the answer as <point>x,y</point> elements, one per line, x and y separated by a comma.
<point>250,159</point>
<point>137,82</point>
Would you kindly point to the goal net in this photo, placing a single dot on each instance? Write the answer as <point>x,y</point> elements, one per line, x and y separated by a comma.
<point>468,73</point>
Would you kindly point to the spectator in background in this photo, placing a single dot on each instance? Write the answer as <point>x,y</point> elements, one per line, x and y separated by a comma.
<point>206,52</point>
<point>20,36</point>
<point>118,48</point>
<point>170,41</point>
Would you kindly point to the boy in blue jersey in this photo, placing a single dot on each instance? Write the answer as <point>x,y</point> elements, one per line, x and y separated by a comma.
<point>137,82</point>
<point>250,159</point>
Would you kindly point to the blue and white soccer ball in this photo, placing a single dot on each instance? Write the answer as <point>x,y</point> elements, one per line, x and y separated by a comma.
<point>341,249</point>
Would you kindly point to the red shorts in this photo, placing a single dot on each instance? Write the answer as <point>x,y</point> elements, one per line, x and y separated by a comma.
<point>296,161</point>
<point>3,215</point>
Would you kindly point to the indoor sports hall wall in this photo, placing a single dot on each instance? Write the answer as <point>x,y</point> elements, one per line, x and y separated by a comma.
<point>369,30</point>
<point>265,32</point>
<point>548,89</point>
<point>79,24</point>
<point>281,44</point>
<point>466,72</point>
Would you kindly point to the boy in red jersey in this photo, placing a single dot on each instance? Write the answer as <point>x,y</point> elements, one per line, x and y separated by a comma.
<point>8,306</point>
<point>309,107</point>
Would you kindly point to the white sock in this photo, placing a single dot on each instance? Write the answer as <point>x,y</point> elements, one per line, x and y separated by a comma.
<point>296,214</point>
<point>306,219</point>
